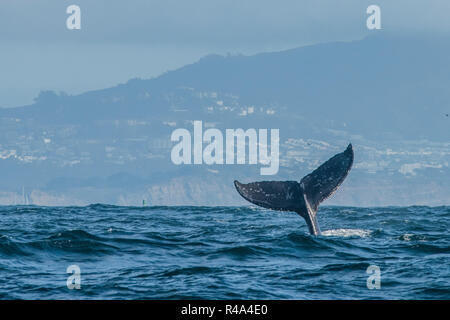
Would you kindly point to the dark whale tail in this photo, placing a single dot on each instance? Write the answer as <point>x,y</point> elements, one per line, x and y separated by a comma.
<point>304,197</point>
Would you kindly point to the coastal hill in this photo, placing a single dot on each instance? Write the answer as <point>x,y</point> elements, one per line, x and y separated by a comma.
<point>387,95</point>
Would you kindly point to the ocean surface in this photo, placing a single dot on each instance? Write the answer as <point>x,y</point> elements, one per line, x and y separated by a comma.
<point>223,253</point>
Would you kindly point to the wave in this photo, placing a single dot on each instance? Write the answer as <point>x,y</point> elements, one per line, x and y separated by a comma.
<point>223,252</point>
<point>76,241</point>
<point>361,233</point>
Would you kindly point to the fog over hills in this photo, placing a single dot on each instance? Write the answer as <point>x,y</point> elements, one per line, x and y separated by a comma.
<point>387,95</point>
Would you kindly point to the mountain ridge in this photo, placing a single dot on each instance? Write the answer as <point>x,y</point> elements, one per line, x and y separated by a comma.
<point>387,95</point>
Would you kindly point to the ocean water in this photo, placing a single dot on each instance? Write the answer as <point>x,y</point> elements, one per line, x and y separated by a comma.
<point>223,253</point>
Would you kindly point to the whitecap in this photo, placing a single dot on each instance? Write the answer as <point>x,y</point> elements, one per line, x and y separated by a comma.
<point>347,233</point>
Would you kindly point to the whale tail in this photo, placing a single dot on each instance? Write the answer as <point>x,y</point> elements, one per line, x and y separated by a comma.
<point>304,197</point>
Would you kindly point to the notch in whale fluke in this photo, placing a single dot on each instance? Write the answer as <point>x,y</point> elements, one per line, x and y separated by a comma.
<point>305,196</point>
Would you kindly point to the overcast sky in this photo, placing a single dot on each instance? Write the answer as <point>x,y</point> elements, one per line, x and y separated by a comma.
<point>120,40</point>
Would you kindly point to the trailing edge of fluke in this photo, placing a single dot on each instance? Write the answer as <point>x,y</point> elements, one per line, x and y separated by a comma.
<point>302,197</point>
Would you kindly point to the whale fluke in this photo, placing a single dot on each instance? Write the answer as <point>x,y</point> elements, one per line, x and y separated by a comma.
<point>304,197</point>
<point>276,195</point>
<point>324,181</point>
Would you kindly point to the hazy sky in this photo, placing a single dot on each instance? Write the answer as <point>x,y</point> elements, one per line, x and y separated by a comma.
<point>120,40</point>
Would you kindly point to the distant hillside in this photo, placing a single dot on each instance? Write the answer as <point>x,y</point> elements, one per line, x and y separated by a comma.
<point>387,95</point>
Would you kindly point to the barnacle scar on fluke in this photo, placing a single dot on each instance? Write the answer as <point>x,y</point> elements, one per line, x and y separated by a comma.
<point>304,197</point>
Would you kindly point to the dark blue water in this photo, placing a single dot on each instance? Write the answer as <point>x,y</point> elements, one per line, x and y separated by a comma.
<point>223,253</point>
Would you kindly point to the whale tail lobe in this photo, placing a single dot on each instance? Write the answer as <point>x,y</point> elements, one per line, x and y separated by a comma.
<point>304,197</point>
<point>325,180</point>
